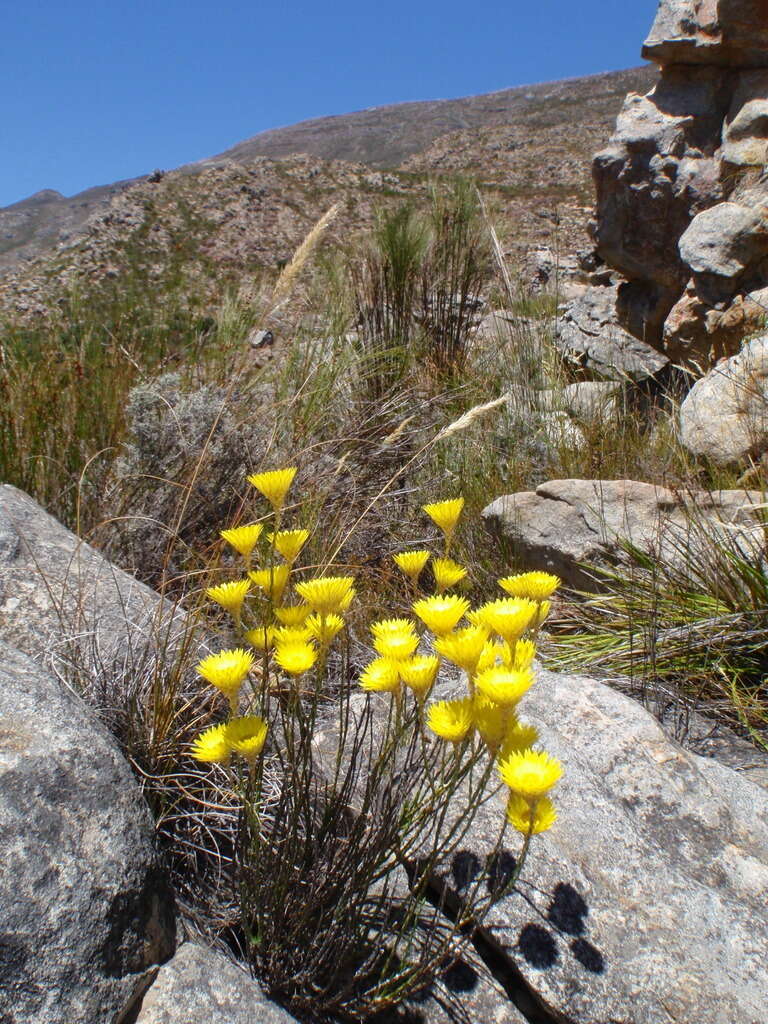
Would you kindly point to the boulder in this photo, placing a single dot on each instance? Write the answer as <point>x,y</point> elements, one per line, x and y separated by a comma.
<point>590,335</point>
<point>745,132</point>
<point>731,33</point>
<point>721,243</point>
<point>646,901</point>
<point>53,585</point>
<point>698,334</point>
<point>201,986</point>
<point>86,909</point>
<point>724,417</point>
<point>567,522</point>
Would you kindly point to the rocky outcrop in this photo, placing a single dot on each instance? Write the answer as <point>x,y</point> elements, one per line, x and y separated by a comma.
<point>565,523</point>
<point>86,909</point>
<point>681,193</point>
<point>724,418</point>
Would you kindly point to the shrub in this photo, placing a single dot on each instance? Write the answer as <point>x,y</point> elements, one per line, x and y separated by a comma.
<point>348,807</point>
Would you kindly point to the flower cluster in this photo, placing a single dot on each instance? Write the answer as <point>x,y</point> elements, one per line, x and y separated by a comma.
<point>494,645</point>
<point>289,635</point>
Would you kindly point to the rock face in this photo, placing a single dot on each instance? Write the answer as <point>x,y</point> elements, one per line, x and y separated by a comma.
<point>724,418</point>
<point>646,900</point>
<point>682,195</point>
<point>85,907</point>
<point>53,584</point>
<point>565,522</point>
<point>200,986</point>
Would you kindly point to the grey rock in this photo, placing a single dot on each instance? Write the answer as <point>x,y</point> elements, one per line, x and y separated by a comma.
<point>567,522</point>
<point>201,986</point>
<point>85,907</point>
<point>590,335</point>
<point>591,399</point>
<point>724,417</point>
<point>745,132</point>
<point>645,902</point>
<point>720,244</point>
<point>721,32</point>
<point>53,584</point>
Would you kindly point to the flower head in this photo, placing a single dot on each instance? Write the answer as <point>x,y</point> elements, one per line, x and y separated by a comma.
<point>295,657</point>
<point>494,653</point>
<point>504,686</point>
<point>411,563</point>
<point>464,647</point>
<point>397,646</point>
<point>390,627</point>
<point>292,614</point>
<point>536,586</point>
<point>508,617</point>
<point>272,581</point>
<point>262,637</point>
<point>230,595</point>
<point>274,485</point>
<point>530,818</point>
<point>490,722</point>
<point>530,773</point>
<point>445,514</point>
<point>451,719</point>
<point>289,543</point>
<point>542,611</point>
<point>243,538</point>
<point>519,736</point>
<point>419,674</point>
<point>441,614</point>
<point>327,593</point>
<point>447,573</point>
<point>524,653</point>
<point>227,671</point>
<point>381,676</point>
<point>246,736</point>
<point>293,634</point>
<point>324,628</point>
<point>212,745</point>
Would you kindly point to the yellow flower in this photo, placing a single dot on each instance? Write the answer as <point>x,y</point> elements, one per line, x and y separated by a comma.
<point>520,812</point>
<point>289,543</point>
<point>324,628</point>
<point>293,634</point>
<point>464,647</point>
<point>451,719</point>
<point>274,485</point>
<point>447,573</point>
<point>272,581</point>
<point>490,722</point>
<point>243,538</point>
<point>227,671</point>
<point>494,652</point>
<point>388,627</point>
<point>441,614</point>
<point>327,593</point>
<point>212,746</point>
<point>445,514</point>
<point>230,595</point>
<point>537,586</point>
<point>246,736</point>
<point>542,612</point>
<point>508,617</point>
<point>411,563</point>
<point>293,615</point>
<point>381,676</point>
<point>519,736</point>
<point>262,637</point>
<point>530,773</point>
<point>295,657</point>
<point>504,686</point>
<point>524,654</point>
<point>396,646</point>
<point>419,674</point>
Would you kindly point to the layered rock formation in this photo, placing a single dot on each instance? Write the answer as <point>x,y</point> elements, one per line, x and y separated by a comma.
<point>682,193</point>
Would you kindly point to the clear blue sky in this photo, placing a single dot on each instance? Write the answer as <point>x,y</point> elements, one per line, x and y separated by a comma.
<point>97,91</point>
